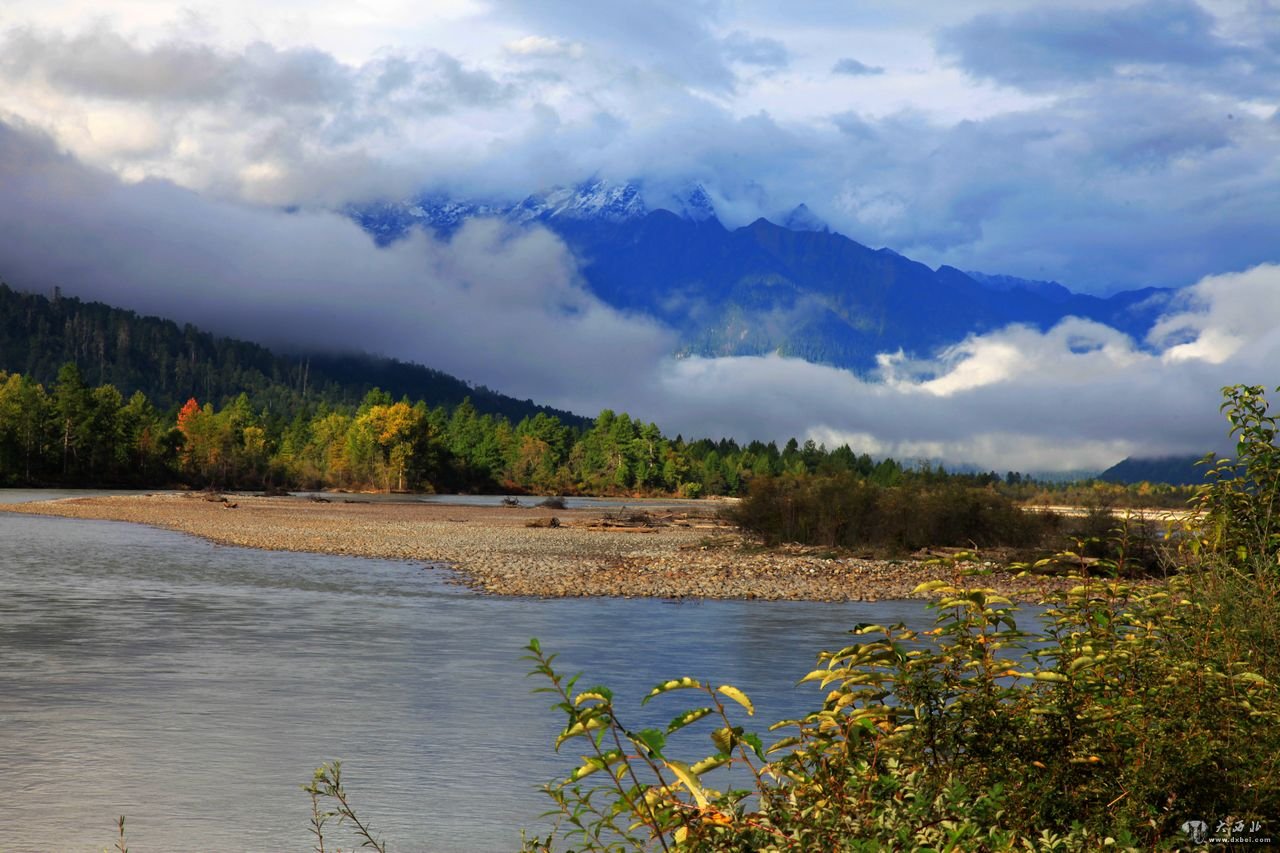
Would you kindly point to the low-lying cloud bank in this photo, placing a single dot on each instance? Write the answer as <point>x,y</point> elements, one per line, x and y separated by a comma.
<point>508,309</point>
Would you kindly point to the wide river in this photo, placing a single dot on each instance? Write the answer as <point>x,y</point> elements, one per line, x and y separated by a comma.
<point>195,687</point>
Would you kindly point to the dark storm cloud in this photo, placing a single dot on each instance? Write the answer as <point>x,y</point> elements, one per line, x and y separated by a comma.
<point>853,68</point>
<point>1042,47</point>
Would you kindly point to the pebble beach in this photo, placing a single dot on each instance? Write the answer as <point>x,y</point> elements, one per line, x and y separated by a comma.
<point>520,551</point>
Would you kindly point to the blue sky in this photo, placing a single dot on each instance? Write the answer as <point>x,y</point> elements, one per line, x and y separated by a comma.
<point>1104,145</point>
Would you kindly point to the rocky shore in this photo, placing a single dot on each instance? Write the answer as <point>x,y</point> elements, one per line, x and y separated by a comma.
<point>661,552</point>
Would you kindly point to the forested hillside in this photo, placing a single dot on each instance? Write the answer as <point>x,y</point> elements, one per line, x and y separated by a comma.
<point>171,363</point>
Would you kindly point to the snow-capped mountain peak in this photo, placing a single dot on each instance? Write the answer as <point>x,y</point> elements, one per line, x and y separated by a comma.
<point>694,204</point>
<point>596,199</point>
<point>801,218</point>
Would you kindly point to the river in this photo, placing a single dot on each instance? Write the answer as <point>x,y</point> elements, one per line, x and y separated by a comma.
<point>194,687</point>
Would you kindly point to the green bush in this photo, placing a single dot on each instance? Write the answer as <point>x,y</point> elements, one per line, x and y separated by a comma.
<point>1240,501</point>
<point>1118,721</point>
<point>847,511</point>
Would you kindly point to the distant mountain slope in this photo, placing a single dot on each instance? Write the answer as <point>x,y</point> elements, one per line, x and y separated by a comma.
<point>171,363</point>
<point>813,294</point>
<point>796,288</point>
<point>1174,470</point>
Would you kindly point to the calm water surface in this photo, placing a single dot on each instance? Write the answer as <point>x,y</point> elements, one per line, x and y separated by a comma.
<point>195,687</point>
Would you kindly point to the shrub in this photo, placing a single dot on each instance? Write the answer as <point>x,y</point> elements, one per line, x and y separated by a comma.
<point>1240,502</point>
<point>847,511</point>
<point>1115,723</point>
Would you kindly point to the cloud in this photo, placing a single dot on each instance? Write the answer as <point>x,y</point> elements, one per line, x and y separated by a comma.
<point>542,46</point>
<point>1044,47</point>
<point>506,308</point>
<point>849,66</point>
<point>1077,396</point>
<point>500,307</point>
<point>286,126</point>
<point>1221,316</point>
<point>755,50</point>
<point>1118,162</point>
<point>675,38</point>
<point>102,63</point>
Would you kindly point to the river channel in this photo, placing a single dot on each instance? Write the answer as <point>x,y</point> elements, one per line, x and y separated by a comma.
<point>194,687</point>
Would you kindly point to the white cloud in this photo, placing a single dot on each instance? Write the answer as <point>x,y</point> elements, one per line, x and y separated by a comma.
<point>543,46</point>
<point>1077,396</point>
<point>496,306</point>
<point>1219,316</point>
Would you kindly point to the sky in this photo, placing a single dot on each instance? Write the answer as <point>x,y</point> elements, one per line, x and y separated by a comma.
<point>185,159</point>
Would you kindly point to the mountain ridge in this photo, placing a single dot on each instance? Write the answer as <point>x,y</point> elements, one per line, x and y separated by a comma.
<point>793,286</point>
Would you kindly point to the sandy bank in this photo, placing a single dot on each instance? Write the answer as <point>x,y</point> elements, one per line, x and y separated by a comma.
<point>496,550</point>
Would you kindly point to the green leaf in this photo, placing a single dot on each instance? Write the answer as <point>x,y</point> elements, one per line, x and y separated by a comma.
<point>726,738</point>
<point>689,779</point>
<point>593,763</point>
<point>681,720</point>
<point>816,675</point>
<point>711,762</point>
<point>685,683</point>
<point>652,739</point>
<point>594,694</point>
<point>736,695</point>
<point>580,728</point>
<point>1055,677</point>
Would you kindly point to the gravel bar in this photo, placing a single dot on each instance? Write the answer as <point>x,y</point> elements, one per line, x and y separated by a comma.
<point>517,551</point>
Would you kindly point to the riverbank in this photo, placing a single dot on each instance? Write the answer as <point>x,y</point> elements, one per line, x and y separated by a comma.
<point>660,552</point>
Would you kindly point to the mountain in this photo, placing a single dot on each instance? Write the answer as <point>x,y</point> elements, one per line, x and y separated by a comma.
<point>1050,290</point>
<point>171,363</point>
<point>796,288</point>
<point>1174,470</point>
<point>595,200</point>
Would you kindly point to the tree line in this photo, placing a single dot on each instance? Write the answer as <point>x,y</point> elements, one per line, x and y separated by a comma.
<point>75,434</point>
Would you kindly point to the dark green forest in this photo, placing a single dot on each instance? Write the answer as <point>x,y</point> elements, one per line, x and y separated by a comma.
<point>172,363</point>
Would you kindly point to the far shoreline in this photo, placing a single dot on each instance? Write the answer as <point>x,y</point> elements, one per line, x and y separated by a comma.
<point>654,548</point>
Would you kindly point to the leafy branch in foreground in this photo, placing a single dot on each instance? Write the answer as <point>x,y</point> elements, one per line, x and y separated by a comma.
<point>326,784</point>
<point>122,846</point>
